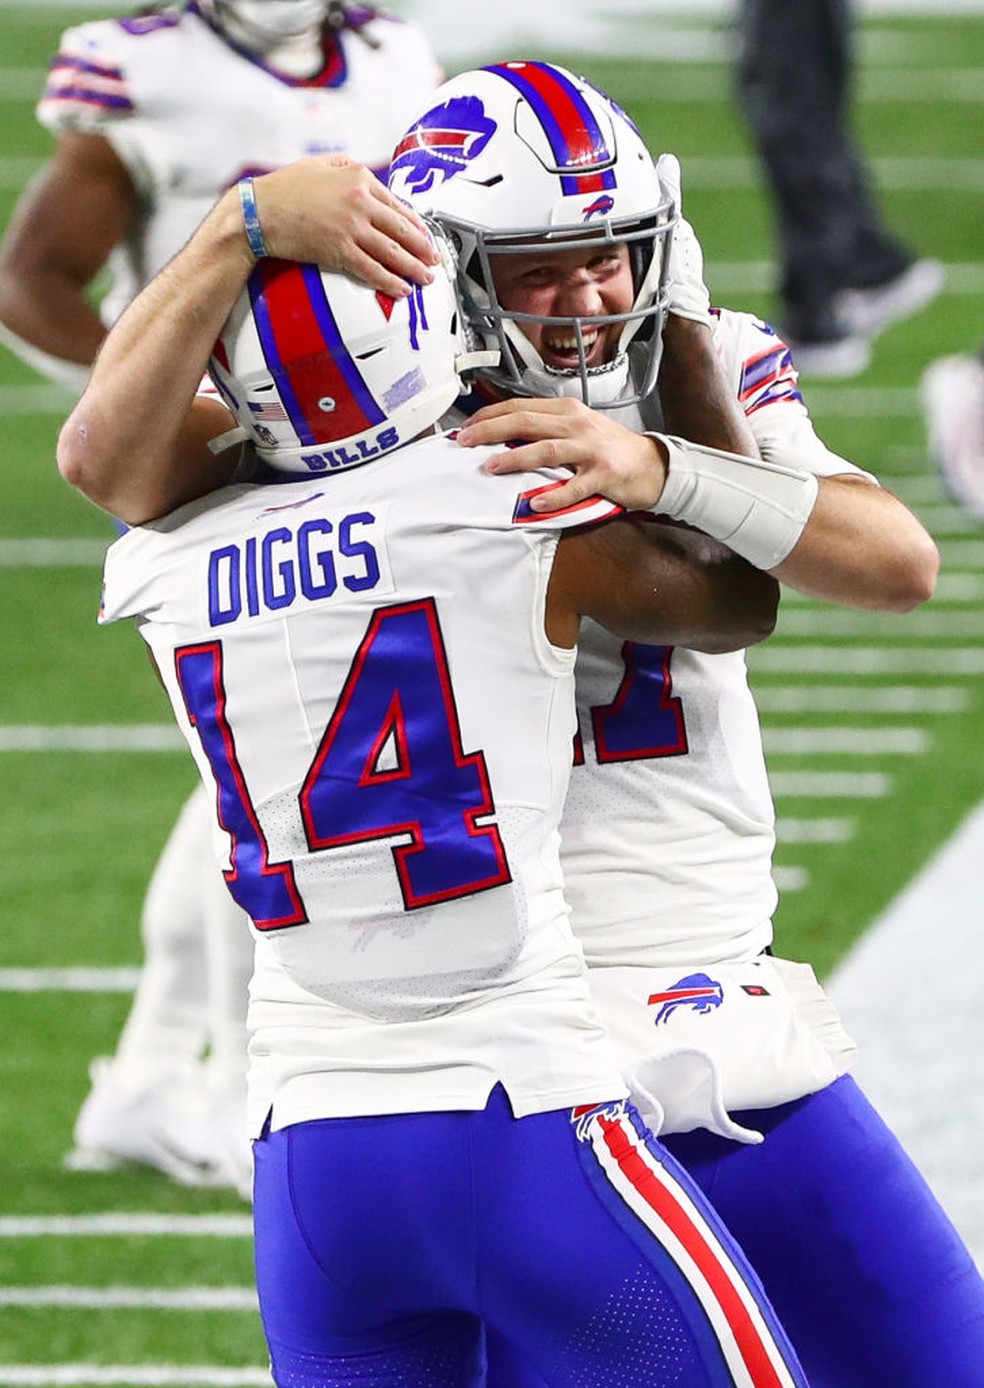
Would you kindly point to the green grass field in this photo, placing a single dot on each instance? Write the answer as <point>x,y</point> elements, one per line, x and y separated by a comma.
<point>865,794</point>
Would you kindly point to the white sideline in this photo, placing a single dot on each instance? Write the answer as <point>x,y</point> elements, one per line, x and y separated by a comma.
<point>910,992</point>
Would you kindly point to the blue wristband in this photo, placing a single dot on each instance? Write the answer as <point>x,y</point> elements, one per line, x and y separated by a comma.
<point>251,220</point>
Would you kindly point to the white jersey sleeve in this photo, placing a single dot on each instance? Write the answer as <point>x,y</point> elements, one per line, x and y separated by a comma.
<point>360,668</point>
<point>760,368</point>
<point>189,115</point>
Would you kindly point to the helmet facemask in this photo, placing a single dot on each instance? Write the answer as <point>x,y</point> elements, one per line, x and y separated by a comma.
<point>521,369</point>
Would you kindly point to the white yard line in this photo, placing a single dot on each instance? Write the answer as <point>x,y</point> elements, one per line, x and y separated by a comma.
<point>133,1298</point>
<point>830,785</point>
<point>962,554</point>
<point>101,1226</point>
<point>840,741</point>
<point>81,980</point>
<point>791,879</point>
<point>135,737</point>
<point>947,519</point>
<point>830,698</point>
<point>814,830</point>
<point>131,1376</point>
<point>847,622</point>
<point>778,658</point>
<point>53,554</point>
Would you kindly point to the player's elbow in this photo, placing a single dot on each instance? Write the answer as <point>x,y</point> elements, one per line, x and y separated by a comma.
<point>914,580</point>
<point>754,621</point>
<point>81,463</point>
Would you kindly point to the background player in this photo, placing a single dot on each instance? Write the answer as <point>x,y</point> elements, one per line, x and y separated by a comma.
<point>154,115</point>
<point>384,716</point>
<point>844,275</point>
<point>668,825</point>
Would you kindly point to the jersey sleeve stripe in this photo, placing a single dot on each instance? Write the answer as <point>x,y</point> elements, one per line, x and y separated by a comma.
<point>768,376</point>
<point>592,508</point>
<point>70,80</point>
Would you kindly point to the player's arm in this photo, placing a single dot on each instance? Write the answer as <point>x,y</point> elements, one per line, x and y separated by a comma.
<point>839,538</point>
<point>138,443</point>
<point>63,228</point>
<point>696,398</point>
<point>659,584</point>
<point>861,546</point>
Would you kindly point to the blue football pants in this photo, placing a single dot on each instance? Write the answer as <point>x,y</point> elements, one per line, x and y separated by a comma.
<point>863,1268</point>
<point>386,1245</point>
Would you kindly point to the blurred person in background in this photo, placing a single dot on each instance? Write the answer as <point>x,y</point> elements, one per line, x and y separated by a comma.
<point>844,276</point>
<point>155,114</point>
<point>953,406</point>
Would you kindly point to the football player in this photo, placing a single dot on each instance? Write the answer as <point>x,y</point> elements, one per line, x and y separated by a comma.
<point>373,666</point>
<point>155,114</point>
<point>668,827</point>
<point>844,275</point>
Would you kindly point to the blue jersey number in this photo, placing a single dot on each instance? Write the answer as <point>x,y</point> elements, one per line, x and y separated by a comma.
<point>390,762</point>
<point>645,719</point>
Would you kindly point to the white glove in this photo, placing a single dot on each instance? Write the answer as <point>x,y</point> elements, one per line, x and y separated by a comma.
<point>688,293</point>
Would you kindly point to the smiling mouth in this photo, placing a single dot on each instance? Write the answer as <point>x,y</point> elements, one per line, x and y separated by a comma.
<point>560,349</point>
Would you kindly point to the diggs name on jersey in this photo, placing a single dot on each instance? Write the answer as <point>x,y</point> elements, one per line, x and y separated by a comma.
<point>293,565</point>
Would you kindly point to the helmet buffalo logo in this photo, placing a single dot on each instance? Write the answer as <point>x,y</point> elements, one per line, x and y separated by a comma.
<point>443,142</point>
<point>601,207</point>
<point>696,991</point>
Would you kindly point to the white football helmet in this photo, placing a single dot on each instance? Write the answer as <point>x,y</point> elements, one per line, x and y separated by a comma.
<point>324,373</point>
<point>261,24</point>
<point>523,156</point>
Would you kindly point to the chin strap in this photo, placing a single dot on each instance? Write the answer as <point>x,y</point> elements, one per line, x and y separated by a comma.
<point>475,361</point>
<point>223,441</point>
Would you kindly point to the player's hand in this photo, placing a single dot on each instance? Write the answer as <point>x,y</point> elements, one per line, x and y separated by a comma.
<point>606,458</point>
<point>689,297</point>
<point>333,212</point>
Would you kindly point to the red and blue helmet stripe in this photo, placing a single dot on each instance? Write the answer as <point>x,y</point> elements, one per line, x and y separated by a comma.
<point>579,144</point>
<point>307,356</point>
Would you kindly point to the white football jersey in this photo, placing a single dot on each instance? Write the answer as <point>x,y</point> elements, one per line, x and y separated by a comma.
<point>189,114</point>
<point>668,828</point>
<point>668,834</point>
<point>361,672</point>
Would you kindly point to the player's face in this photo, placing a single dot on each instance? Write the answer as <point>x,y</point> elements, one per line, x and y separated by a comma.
<point>267,22</point>
<point>587,283</point>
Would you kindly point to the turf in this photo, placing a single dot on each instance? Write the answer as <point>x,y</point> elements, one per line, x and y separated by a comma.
<point>80,831</point>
